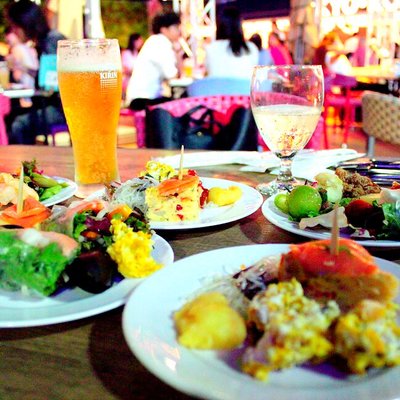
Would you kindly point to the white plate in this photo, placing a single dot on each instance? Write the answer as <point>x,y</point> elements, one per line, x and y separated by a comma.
<point>63,194</point>
<point>215,375</point>
<point>17,310</point>
<point>250,202</point>
<point>281,220</point>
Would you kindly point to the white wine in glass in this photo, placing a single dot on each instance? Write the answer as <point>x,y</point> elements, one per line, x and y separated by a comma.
<point>286,102</point>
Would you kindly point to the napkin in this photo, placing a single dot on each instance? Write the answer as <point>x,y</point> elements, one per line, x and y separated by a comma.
<point>306,164</point>
<point>207,158</point>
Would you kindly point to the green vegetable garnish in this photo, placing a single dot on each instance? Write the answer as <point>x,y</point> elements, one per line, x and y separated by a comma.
<point>22,264</point>
<point>44,186</point>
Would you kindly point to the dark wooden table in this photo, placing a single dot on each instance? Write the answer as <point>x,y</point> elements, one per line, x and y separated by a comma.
<point>89,358</point>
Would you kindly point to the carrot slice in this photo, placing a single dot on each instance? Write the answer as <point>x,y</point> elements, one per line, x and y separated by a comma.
<point>33,213</point>
<point>26,222</point>
<point>173,186</point>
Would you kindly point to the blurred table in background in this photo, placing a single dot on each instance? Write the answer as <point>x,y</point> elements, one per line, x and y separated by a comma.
<point>178,86</point>
<point>378,78</point>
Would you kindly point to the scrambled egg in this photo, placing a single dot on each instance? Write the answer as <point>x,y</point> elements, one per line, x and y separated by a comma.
<point>184,206</point>
<point>295,329</point>
<point>208,322</point>
<point>131,251</point>
<point>224,196</point>
<point>368,336</point>
<point>158,171</point>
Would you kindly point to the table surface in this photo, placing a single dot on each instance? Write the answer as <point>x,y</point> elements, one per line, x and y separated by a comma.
<point>374,72</point>
<point>18,93</point>
<point>89,358</point>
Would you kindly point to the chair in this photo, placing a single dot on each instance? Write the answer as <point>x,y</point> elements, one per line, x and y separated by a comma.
<point>47,75</point>
<point>343,100</point>
<point>211,86</point>
<point>5,107</point>
<point>48,81</point>
<point>234,108</point>
<point>381,119</point>
<point>139,122</point>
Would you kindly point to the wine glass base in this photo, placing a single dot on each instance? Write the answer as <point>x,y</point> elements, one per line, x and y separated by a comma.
<point>274,187</point>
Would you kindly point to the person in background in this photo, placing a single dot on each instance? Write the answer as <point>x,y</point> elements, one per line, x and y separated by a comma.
<point>21,59</point>
<point>332,58</point>
<point>279,52</point>
<point>230,55</point>
<point>156,63</point>
<point>264,55</point>
<point>128,57</point>
<point>72,12</point>
<point>28,21</point>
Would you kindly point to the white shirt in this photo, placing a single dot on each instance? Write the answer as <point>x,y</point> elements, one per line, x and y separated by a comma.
<point>221,62</point>
<point>155,63</point>
<point>25,57</point>
<point>341,65</point>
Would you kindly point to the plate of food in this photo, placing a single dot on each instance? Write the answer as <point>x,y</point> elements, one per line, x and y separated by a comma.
<point>49,190</point>
<point>84,260</point>
<point>367,212</point>
<point>285,355</point>
<point>170,201</point>
<point>68,189</point>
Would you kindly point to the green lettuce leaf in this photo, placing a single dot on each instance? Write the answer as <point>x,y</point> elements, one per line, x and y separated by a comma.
<point>22,264</point>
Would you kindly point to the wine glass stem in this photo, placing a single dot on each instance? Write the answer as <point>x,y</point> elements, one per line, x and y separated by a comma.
<point>285,172</point>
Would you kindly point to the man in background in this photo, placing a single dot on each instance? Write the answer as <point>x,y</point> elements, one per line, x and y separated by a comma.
<point>156,63</point>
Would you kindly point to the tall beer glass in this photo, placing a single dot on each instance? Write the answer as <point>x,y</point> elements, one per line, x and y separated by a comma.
<point>89,77</point>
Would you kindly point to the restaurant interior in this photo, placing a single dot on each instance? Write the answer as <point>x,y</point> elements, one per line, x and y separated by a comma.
<point>200,199</point>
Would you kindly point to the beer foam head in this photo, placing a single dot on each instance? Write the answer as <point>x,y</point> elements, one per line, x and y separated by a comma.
<point>88,55</point>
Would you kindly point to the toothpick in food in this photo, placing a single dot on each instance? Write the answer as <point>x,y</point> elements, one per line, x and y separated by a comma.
<point>180,174</point>
<point>334,248</point>
<point>20,197</point>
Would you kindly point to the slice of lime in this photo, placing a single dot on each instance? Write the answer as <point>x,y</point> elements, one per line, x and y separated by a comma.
<point>281,202</point>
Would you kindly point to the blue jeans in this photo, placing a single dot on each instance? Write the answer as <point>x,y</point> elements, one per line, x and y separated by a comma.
<point>26,127</point>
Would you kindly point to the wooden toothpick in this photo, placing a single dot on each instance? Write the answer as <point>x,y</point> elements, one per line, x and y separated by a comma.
<point>180,175</point>
<point>20,197</point>
<point>335,232</point>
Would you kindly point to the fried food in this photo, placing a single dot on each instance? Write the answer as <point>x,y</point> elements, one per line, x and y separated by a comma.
<point>208,322</point>
<point>356,185</point>
<point>348,277</point>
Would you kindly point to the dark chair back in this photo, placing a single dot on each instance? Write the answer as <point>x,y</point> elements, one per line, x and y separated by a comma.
<point>169,124</point>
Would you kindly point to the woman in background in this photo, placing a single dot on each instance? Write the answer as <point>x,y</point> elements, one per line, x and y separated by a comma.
<point>128,57</point>
<point>279,52</point>
<point>331,56</point>
<point>29,22</point>
<point>230,55</point>
<point>22,60</point>
<point>265,57</point>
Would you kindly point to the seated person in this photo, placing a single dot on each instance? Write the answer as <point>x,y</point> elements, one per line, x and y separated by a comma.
<point>156,63</point>
<point>22,60</point>
<point>28,20</point>
<point>230,56</point>
<point>279,52</point>
<point>265,57</point>
<point>331,56</point>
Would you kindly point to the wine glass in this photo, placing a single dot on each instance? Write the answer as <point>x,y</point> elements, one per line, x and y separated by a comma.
<point>286,102</point>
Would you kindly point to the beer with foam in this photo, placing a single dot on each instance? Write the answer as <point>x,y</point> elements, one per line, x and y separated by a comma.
<point>90,82</point>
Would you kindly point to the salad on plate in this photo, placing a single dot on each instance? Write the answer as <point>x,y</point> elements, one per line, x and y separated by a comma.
<point>365,210</point>
<point>90,245</point>
<point>36,184</point>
